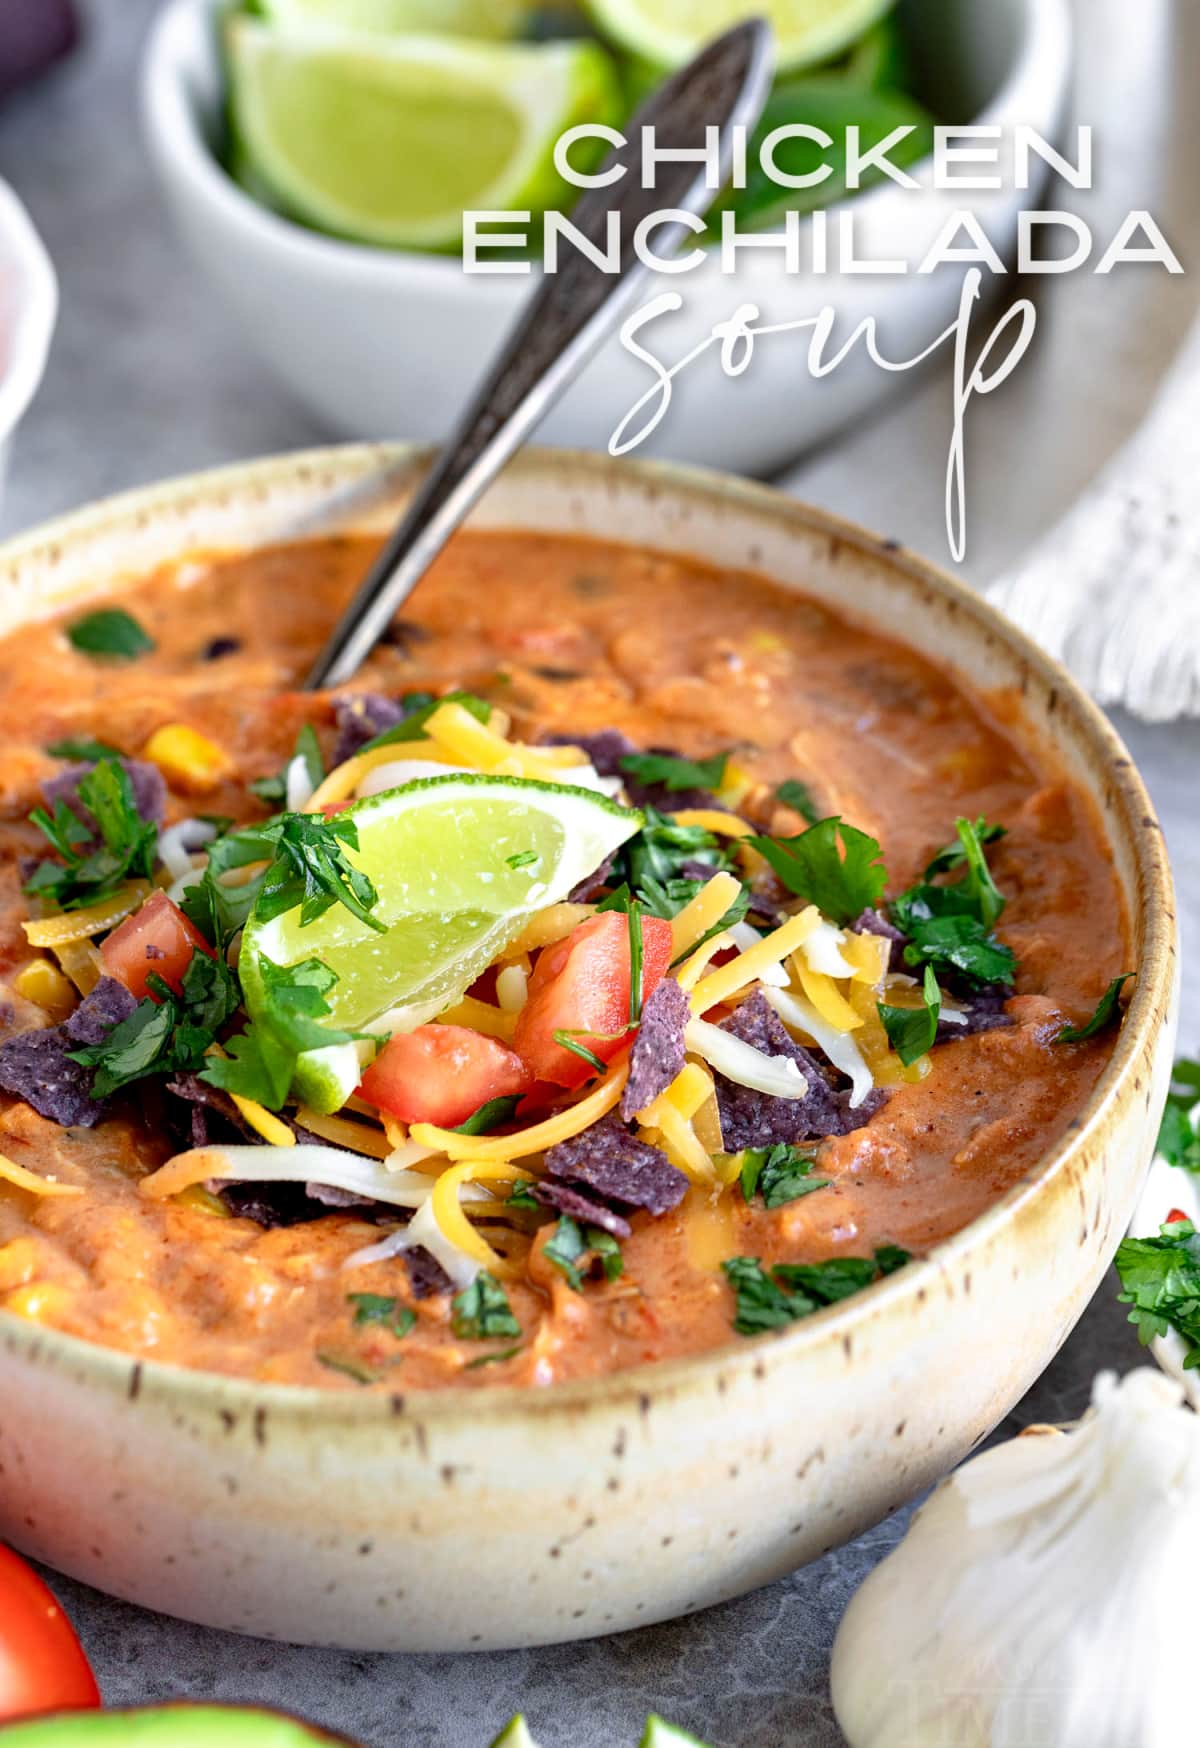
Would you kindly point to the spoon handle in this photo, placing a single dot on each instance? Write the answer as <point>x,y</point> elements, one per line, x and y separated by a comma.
<point>567,318</point>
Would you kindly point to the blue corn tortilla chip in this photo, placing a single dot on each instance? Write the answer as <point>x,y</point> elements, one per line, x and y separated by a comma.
<point>658,1053</point>
<point>756,1119</point>
<point>589,1209</point>
<point>35,1066</point>
<point>609,1160</point>
<point>426,1276</point>
<point>360,716</point>
<point>146,781</point>
<point>592,885</point>
<point>985,1012</point>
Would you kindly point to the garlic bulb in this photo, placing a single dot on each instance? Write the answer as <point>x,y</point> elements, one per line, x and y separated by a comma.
<point>1044,1596</point>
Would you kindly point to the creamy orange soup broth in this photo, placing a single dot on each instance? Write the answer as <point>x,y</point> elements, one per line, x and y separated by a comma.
<point>568,638</point>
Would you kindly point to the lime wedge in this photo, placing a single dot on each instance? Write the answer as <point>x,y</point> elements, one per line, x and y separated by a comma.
<point>389,139</point>
<point>668,32</point>
<point>460,864</point>
<point>489,19</point>
<point>515,1734</point>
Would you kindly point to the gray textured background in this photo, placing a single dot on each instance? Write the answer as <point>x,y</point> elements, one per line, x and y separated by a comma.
<point>148,379</point>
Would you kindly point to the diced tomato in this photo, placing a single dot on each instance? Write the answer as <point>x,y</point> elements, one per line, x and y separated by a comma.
<point>157,938</point>
<point>442,1074</point>
<point>580,986</point>
<point>42,1665</point>
<point>1175,1215</point>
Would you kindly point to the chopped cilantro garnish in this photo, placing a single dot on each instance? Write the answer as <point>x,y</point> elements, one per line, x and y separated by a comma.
<point>261,1060</point>
<point>676,774</point>
<point>736,913</point>
<point>396,1318</point>
<point>568,1041</point>
<point>83,750</point>
<point>781,1173</point>
<point>310,871</point>
<point>349,1367</point>
<point>1179,1132</point>
<point>658,853</point>
<point>667,898</point>
<point>1108,1013</point>
<point>217,910</point>
<point>481,1312</point>
<point>912,1031</point>
<point>798,797</point>
<point>833,865</point>
<point>90,871</point>
<point>794,1290</point>
<point>950,927</point>
<point>521,1196</point>
<point>522,859</point>
<point>1160,1278</point>
<point>954,855</point>
<point>494,1359</point>
<point>273,790</point>
<point>112,632</point>
<point>166,1036</point>
<point>570,1244</point>
<point>489,1116</point>
<point>423,705</point>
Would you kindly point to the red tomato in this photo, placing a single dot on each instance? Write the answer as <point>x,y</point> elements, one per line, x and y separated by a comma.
<point>156,938</point>
<point>42,1665</point>
<point>1175,1216</point>
<point>581,986</point>
<point>442,1074</point>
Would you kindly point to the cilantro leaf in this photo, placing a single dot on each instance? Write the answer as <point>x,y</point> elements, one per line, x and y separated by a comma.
<point>167,1035</point>
<point>571,1244</point>
<point>85,750</point>
<point>310,872</point>
<point>349,1367</point>
<point>111,632</point>
<point>423,706</point>
<point>273,790</point>
<point>123,847</point>
<point>782,1173</point>
<point>658,853</point>
<point>489,1116</point>
<point>954,855</point>
<point>833,865</point>
<point>959,943</point>
<point>1108,1013</point>
<point>977,885</point>
<point>397,1319</point>
<point>522,859</point>
<point>261,1061</point>
<point>521,1196</point>
<point>674,774</point>
<point>1179,1132</point>
<point>912,1031</point>
<point>798,796</point>
<point>791,1291</point>
<point>481,1312</point>
<point>1160,1278</point>
<point>216,909</point>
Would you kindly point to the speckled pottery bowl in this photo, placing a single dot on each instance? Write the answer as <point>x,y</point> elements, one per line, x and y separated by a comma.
<point>497,1517</point>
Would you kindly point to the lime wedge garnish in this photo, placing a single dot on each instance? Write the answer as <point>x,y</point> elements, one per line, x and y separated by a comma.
<point>460,863</point>
<point>389,139</point>
<point>489,19</point>
<point>668,32</point>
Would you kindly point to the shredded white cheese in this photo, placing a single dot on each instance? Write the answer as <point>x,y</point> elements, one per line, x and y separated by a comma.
<point>840,1047</point>
<point>741,1063</point>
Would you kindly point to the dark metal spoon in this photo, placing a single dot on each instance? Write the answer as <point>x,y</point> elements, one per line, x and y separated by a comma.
<point>568,317</point>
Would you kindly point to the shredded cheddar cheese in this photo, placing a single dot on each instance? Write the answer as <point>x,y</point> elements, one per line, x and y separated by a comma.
<point>553,924</point>
<point>265,1123</point>
<point>448,1210</point>
<point>825,996</point>
<point>711,819</point>
<point>12,1173</point>
<point>702,912</point>
<point>691,971</point>
<point>727,980</point>
<point>69,926</point>
<point>82,964</point>
<point>537,1139</point>
<point>341,1132</point>
<point>480,1016</point>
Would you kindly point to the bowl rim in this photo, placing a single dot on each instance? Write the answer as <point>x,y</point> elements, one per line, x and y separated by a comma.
<point>346,466</point>
<point>36,313</point>
<point>1036,80</point>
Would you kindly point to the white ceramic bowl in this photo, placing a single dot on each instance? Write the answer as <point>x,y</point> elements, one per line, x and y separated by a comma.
<point>499,1517</point>
<point>28,307</point>
<point>382,344</point>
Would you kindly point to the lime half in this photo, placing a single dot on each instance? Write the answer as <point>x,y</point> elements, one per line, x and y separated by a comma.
<point>460,864</point>
<point>390,139</point>
<point>490,19</point>
<point>668,32</point>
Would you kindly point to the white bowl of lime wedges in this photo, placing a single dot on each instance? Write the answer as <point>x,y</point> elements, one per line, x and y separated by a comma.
<point>318,155</point>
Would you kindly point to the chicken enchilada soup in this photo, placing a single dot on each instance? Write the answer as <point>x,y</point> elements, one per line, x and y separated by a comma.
<point>635,958</point>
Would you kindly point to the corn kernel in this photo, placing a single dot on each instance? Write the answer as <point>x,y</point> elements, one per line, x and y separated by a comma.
<point>187,758</point>
<point>18,1263</point>
<point>38,1301</point>
<point>44,984</point>
<point>202,1201</point>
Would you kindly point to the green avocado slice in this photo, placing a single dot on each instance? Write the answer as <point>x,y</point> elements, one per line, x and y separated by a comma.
<point>170,1726</point>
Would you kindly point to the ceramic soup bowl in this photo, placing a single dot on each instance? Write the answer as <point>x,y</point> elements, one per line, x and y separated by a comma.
<point>496,1518</point>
